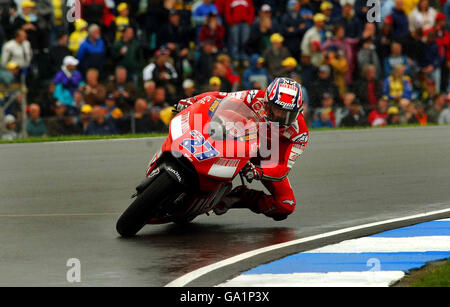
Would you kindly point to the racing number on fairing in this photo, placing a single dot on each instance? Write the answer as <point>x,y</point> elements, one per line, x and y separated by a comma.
<point>198,142</point>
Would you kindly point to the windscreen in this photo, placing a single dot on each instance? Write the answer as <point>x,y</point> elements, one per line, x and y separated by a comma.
<point>233,119</point>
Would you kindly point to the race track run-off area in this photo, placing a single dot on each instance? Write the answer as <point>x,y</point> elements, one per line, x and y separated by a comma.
<point>60,201</point>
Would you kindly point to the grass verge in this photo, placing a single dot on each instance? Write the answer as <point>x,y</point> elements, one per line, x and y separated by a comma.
<point>82,138</point>
<point>435,274</point>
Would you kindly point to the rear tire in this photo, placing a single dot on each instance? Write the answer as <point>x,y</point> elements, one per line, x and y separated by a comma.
<point>161,191</point>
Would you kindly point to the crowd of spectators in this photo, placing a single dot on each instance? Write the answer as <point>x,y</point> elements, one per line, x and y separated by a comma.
<point>121,64</point>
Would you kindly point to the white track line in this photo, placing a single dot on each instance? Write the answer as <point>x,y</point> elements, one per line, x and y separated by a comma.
<point>187,278</point>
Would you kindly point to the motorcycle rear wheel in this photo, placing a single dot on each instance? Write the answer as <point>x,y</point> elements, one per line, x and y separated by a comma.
<point>161,191</point>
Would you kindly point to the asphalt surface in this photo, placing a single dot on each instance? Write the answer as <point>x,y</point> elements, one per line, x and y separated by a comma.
<point>61,200</point>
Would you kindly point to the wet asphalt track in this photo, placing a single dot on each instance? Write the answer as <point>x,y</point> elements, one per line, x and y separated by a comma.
<point>61,201</point>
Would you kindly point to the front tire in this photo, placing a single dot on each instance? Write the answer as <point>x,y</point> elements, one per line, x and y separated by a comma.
<point>161,191</point>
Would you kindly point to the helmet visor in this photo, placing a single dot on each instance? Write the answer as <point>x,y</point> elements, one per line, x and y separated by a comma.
<point>283,117</point>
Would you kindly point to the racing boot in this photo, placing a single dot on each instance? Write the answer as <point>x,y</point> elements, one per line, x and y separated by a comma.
<point>240,197</point>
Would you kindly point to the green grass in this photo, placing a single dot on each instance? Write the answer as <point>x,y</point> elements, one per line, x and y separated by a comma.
<point>438,276</point>
<point>82,138</point>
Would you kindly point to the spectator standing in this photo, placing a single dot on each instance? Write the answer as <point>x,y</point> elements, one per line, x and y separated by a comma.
<point>308,72</point>
<point>384,40</point>
<point>367,55</point>
<point>96,12</point>
<point>345,46</point>
<point>78,36</point>
<point>432,60</point>
<point>293,27</point>
<point>127,53</point>
<point>174,36</point>
<point>260,34</point>
<point>205,9</point>
<point>35,125</point>
<point>17,50</point>
<point>315,33</point>
<point>122,21</point>
<point>275,55</point>
<point>204,64</point>
<point>28,21</point>
<point>368,89</point>
<point>239,15</point>
<point>336,59</point>
<point>213,32</point>
<point>400,27</point>
<point>91,53</point>
<point>59,52</point>
<point>443,41</point>
<point>422,16</point>
<point>256,76</point>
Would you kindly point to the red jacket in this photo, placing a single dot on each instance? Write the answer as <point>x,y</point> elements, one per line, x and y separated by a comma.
<point>217,36</point>
<point>237,11</point>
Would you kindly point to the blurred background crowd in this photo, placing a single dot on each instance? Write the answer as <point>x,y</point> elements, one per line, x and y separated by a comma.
<point>97,67</point>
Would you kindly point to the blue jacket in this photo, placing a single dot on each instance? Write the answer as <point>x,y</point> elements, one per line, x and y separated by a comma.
<point>401,28</point>
<point>254,72</point>
<point>431,55</point>
<point>107,128</point>
<point>87,47</point>
<point>391,61</point>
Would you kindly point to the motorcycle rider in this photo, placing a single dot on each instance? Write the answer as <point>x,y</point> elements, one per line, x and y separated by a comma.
<point>280,104</point>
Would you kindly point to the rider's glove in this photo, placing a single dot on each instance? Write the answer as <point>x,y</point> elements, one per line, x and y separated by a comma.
<point>183,104</point>
<point>251,172</point>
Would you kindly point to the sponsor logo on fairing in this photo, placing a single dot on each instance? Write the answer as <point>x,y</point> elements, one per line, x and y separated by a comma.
<point>224,168</point>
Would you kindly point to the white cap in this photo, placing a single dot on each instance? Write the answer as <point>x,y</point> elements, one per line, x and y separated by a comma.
<point>70,60</point>
<point>266,8</point>
<point>188,83</point>
<point>9,119</point>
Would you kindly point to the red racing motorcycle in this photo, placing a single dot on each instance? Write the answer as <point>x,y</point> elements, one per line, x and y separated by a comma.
<point>209,143</point>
